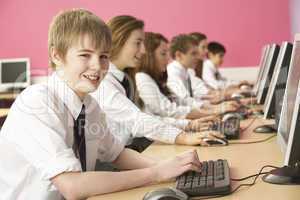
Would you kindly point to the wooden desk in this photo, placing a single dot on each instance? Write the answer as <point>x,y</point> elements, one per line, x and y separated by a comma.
<point>244,160</point>
<point>3,111</point>
<point>9,95</point>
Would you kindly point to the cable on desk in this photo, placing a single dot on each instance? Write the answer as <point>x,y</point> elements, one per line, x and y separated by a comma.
<point>252,142</point>
<point>238,187</point>
<point>247,177</point>
<point>248,126</point>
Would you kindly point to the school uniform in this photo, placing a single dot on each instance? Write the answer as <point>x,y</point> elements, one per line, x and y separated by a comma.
<point>213,77</point>
<point>117,103</point>
<point>199,87</point>
<point>179,82</point>
<point>49,131</point>
<point>156,103</point>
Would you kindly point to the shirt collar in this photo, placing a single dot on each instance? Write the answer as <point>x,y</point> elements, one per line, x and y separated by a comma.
<point>180,69</point>
<point>67,95</point>
<point>117,73</point>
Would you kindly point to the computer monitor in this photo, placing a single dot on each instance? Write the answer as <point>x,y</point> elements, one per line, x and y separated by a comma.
<point>279,94</point>
<point>14,73</point>
<point>290,173</point>
<point>289,95</point>
<point>262,64</point>
<point>268,72</point>
<point>288,138</point>
<point>281,68</point>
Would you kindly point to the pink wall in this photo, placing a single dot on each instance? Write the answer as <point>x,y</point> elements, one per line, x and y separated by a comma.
<point>243,26</point>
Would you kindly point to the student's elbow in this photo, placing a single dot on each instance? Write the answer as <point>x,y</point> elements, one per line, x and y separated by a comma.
<point>66,186</point>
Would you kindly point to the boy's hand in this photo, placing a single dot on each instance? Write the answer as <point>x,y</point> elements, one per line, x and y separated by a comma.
<point>174,167</point>
<point>228,106</point>
<point>197,125</point>
<point>196,138</point>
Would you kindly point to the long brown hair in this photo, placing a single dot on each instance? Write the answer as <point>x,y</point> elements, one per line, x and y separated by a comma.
<point>121,27</point>
<point>149,64</point>
<point>199,37</point>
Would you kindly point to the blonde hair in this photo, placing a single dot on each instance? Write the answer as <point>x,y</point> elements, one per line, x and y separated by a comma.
<point>68,26</point>
<point>121,28</point>
<point>182,43</point>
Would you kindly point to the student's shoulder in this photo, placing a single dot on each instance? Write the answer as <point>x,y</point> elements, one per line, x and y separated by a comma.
<point>142,76</point>
<point>208,64</point>
<point>109,85</point>
<point>34,92</point>
<point>108,80</point>
<point>33,99</point>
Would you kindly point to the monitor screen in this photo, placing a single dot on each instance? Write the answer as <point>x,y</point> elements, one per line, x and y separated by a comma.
<point>14,72</point>
<point>292,155</point>
<point>269,69</point>
<point>290,96</point>
<point>281,66</point>
<point>262,64</point>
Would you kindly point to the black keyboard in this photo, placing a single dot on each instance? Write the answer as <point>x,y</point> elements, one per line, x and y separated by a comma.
<point>230,128</point>
<point>214,179</point>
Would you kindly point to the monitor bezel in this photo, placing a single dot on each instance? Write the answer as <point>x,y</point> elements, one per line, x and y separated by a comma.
<point>262,69</point>
<point>261,90</point>
<point>8,86</point>
<point>290,149</point>
<point>280,139</point>
<point>273,83</point>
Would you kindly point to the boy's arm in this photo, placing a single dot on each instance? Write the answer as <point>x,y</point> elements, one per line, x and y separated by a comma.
<point>129,159</point>
<point>77,185</point>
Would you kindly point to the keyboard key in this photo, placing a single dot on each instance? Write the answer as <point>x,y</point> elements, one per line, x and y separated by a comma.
<point>213,179</point>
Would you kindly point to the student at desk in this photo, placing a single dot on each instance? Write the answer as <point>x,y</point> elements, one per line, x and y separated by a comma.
<point>55,131</point>
<point>116,94</point>
<point>184,51</point>
<point>200,88</point>
<point>211,73</point>
<point>151,80</point>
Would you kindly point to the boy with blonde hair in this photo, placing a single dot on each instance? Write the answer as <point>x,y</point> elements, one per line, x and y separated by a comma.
<point>61,131</point>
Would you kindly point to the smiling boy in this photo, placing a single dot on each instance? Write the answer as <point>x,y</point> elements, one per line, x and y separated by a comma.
<point>61,131</point>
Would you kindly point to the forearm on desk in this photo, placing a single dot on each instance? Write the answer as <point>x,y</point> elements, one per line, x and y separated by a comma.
<point>76,185</point>
<point>129,159</point>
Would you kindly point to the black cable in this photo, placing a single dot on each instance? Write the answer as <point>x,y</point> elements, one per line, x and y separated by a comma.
<point>256,177</point>
<point>252,142</point>
<point>238,187</point>
<point>247,177</point>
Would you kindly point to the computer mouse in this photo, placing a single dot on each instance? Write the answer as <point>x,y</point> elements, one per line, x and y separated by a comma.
<point>237,96</point>
<point>166,194</point>
<point>216,141</point>
<point>264,129</point>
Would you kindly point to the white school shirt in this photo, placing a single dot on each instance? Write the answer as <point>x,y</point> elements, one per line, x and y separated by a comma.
<point>199,87</point>
<point>209,76</point>
<point>125,116</point>
<point>157,103</point>
<point>37,137</point>
<point>178,84</point>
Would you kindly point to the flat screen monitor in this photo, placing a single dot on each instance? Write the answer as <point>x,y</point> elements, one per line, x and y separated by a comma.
<point>268,73</point>
<point>290,94</point>
<point>281,69</point>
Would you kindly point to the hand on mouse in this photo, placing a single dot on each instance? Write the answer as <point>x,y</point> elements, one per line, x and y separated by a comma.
<point>202,123</point>
<point>196,138</point>
<point>228,106</point>
<point>174,167</point>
